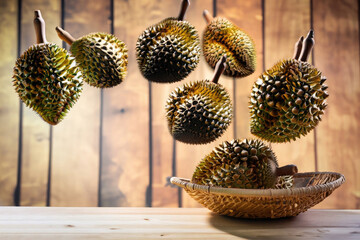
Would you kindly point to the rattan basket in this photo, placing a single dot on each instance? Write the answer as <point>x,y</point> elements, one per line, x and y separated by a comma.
<point>308,190</point>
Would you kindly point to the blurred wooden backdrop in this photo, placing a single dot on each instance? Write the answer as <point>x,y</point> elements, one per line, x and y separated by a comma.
<point>114,149</point>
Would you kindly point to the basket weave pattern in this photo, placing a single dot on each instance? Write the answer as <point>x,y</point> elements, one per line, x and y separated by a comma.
<point>309,189</point>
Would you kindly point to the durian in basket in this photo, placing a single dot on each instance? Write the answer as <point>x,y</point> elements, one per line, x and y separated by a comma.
<point>241,178</point>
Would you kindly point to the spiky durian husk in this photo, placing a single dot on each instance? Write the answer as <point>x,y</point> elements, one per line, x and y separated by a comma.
<point>198,112</point>
<point>168,51</point>
<point>287,101</point>
<point>47,80</point>
<point>238,164</point>
<point>102,58</point>
<point>222,37</point>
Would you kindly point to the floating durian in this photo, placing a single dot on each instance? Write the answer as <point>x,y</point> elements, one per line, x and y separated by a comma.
<point>169,50</point>
<point>222,37</point>
<point>288,100</point>
<point>241,164</point>
<point>46,78</point>
<point>199,112</point>
<point>101,57</point>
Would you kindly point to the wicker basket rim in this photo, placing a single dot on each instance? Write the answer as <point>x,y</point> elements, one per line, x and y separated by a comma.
<point>186,184</point>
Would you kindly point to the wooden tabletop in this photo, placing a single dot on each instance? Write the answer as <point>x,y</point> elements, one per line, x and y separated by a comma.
<point>170,223</point>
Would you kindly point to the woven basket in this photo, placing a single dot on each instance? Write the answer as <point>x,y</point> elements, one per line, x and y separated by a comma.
<point>308,190</point>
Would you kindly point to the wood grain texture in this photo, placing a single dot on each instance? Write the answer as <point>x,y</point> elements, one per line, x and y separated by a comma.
<point>170,223</point>
<point>9,102</point>
<point>164,194</point>
<point>188,156</point>
<point>75,166</point>
<point>36,142</point>
<point>125,170</point>
<point>285,22</point>
<point>336,26</point>
<point>247,15</point>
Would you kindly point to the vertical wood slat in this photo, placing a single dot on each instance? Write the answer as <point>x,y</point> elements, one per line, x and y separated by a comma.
<point>125,170</point>
<point>9,102</point>
<point>75,166</point>
<point>336,26</point>
<point>247,15</point>
<point>36,141</point>
<point>163,193</point>
<point>285,22</point>
<point>188,156</point>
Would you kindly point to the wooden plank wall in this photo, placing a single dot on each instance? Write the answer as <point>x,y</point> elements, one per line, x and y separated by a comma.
<point>9,112</point>
<point>114,149</point>
<point>35,144</point>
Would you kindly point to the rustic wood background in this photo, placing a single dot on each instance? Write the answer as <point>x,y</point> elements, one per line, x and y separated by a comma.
<point>114,149</point>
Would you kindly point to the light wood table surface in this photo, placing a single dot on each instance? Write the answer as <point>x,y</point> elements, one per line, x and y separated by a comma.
<point>170,223</point>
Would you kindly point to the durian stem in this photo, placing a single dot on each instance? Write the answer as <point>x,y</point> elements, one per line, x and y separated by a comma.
<point>298,47</point>
<point>65,36</point>
<point>307,46</point>
<point>219,69</point>
<point>207,16</point>
<point>184,5</point>
<point>39,25</point>
<point>286,170</point>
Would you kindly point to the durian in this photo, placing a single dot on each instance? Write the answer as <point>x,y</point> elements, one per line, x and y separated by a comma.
<point>169,50</point>
<point>285,182</point>
<point>244,163</point>
<point>222,37</point>
<point>288,100</point>
<point>101,57</point>
<point>199,112</point>
<point>46,78</point>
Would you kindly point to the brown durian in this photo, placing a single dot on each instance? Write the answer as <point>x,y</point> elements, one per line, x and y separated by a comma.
<point>199,112</point>
<point>222,37</point>
<point>46,78</point>
<point>244,163</point>
<point>101,57</point>
<point>288,100</point>
<point>169,50</point>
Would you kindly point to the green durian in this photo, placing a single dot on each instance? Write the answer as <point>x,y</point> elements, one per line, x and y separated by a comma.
<point>222,37</point>
<point>288,100</point>
<point>244,163</point>
<point>46,78</point>
<point>101,57</point>
<point>199,112</point>
<point>169,50</point>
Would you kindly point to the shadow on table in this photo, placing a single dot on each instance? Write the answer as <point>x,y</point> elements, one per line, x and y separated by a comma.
<point>256,228</point>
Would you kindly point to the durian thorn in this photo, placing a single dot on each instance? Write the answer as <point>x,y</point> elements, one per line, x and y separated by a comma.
<point>298,47</point>
<point>184,5</point>
<point>286,170</point>
<point>219,69</point>
<point>39,25</point>
<point>207,16</point>
<point>65,36</point>
<point>308,44</point>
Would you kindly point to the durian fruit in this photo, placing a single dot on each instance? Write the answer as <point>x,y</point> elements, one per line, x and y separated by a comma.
<point>199,112</point>
<point>285,182</point>
<point>244,163</point>
<point>222,37</point>
<point>46,78</point>
<point>288,100</point>
<point>169,50</point>
<point>101,57</point>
